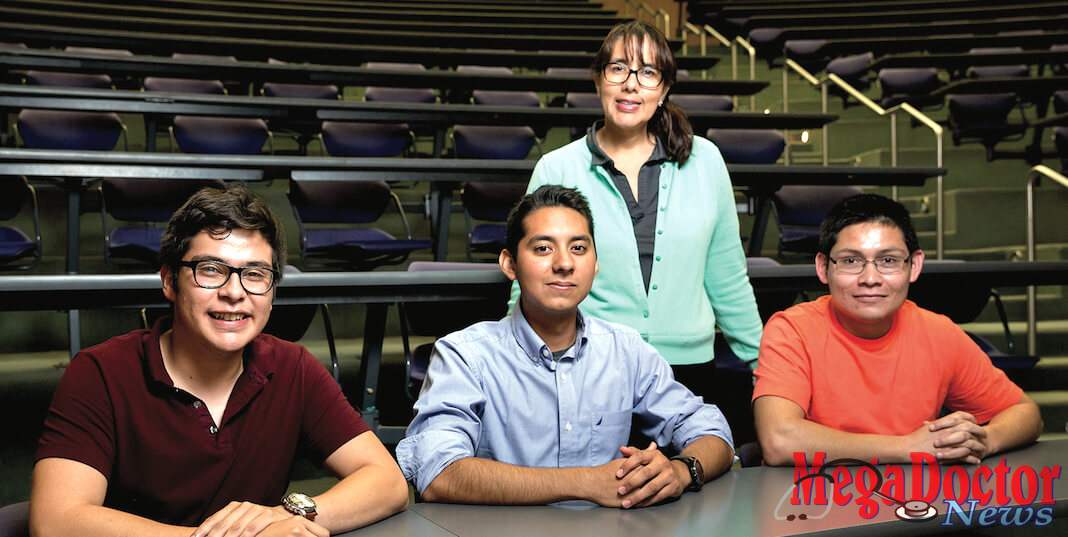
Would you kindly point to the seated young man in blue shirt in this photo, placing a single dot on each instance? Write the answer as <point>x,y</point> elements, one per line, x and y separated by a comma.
<point>536,408</point>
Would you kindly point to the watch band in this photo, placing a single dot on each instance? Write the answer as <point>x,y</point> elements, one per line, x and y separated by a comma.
<point>696,472</point>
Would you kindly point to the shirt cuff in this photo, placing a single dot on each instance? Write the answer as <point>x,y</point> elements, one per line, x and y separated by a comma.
<point>423,456</point>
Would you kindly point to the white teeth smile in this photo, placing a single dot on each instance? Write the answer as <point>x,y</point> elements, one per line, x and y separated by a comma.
<point>228,316</point>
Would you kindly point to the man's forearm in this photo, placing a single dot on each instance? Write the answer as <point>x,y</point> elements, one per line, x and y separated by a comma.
<point>779,442</point>
<point>96,520</point>
<point>715,455</point>
<point>1014,426</point>
<point>483,481</point>
<point>365,496</point>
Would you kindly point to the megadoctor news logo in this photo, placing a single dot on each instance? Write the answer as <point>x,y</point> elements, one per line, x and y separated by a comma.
<point>974,494</point>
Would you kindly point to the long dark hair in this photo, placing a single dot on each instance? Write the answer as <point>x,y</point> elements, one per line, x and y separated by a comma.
<point>669,123</point>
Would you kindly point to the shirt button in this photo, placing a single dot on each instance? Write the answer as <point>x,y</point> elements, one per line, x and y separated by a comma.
<point>658,258</point>
<point>213,429</point>
<point>568,426</point>
<point>196,404</point>
<point>659,232</point>
<point>645,314</point>
<point>663,187</point>
<point>655,287</point>
<point>662,209</point>
<point>563,376</point>
<point>545,352</point>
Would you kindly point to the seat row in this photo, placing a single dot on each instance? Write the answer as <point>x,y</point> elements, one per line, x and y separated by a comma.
<point>249,135</point>
<point>980,105</point>
<point>351,204</point>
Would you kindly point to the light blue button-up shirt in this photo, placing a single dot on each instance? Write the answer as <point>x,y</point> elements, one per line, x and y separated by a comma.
<point>494,391</point>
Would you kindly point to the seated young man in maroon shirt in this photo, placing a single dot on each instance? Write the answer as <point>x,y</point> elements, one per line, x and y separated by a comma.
<point>190,428</point>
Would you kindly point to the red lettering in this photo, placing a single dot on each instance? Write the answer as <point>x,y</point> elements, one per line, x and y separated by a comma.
<point>965,485</point>
<point>1018,493</point>
<point>801,469</point>
<point>982,474</point>
<point>1002,473</point>
<point>868,507</point>
<point>893,483</point>
<point>1048,475</point>
<point>931,493</point>
<point>842,477</point>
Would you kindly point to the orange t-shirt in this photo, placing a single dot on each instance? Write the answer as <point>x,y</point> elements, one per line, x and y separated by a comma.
<point>888,385</point>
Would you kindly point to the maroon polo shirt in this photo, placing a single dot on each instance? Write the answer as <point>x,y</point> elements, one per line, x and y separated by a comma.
<point>116,409</point>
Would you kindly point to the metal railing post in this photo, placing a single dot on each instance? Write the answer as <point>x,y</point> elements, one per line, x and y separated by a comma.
<point>1034,175</point>
<point>893,150</point>
<point>752,67</point>
<point>825,94</point>
<point>936,129</point>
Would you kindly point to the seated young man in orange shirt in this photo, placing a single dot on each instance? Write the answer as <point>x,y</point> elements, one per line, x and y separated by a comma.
<point>864,373</point>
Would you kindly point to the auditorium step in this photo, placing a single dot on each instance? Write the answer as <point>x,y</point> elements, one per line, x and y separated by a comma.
<point>1050,373</point>
<point>1054,408</point>
<point>1052,336</point>
<point>971,209</point>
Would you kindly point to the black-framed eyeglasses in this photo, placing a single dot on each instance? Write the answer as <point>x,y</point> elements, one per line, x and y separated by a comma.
<point>211,274</point>
<point>618,73</point>
<point>887,264</point>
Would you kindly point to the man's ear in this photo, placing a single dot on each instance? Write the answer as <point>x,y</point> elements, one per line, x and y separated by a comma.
<point>170,289</point>
<point>821,268</point>
<point>507,263</point>
<point>916,265</point>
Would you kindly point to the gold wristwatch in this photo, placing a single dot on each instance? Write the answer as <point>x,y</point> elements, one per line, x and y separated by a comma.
<point>300,504</point>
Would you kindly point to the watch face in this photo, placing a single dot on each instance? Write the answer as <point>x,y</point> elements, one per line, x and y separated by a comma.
<point>301,501</point>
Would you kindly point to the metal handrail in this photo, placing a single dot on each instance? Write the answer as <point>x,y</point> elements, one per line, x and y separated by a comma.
<point>702,32</point>
<point>688,27</point>
<point>936,129</point>
<point>642,7</point>
<point>1034,175</point>
<point>741,42</point>
<point>667,20</point>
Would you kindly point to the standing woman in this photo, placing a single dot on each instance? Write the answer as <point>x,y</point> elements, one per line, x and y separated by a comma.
<point>666,234</point>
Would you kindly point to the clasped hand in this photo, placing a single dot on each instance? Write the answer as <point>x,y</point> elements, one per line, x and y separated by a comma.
<point>641,478</point>
<point>956,437</point>
<point>248,519</point>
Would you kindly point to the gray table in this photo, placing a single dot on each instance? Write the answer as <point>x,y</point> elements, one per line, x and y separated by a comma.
<point>741,502</point>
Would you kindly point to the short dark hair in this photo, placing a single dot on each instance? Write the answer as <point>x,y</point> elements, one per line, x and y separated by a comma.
<point>545,196</point>
<point>864,208</point>
<point>219,211</point>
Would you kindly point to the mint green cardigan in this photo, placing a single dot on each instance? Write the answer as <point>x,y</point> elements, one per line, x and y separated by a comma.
<point>699,278</point>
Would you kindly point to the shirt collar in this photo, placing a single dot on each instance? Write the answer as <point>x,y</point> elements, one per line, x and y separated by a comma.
<point>258,366</point>
<point>600,158</point>
<point>535,348</point>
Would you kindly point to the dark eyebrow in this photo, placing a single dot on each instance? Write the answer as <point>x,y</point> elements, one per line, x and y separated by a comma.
<point>884,251</point>
<point>258,264</point>
<point>537,238</point>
